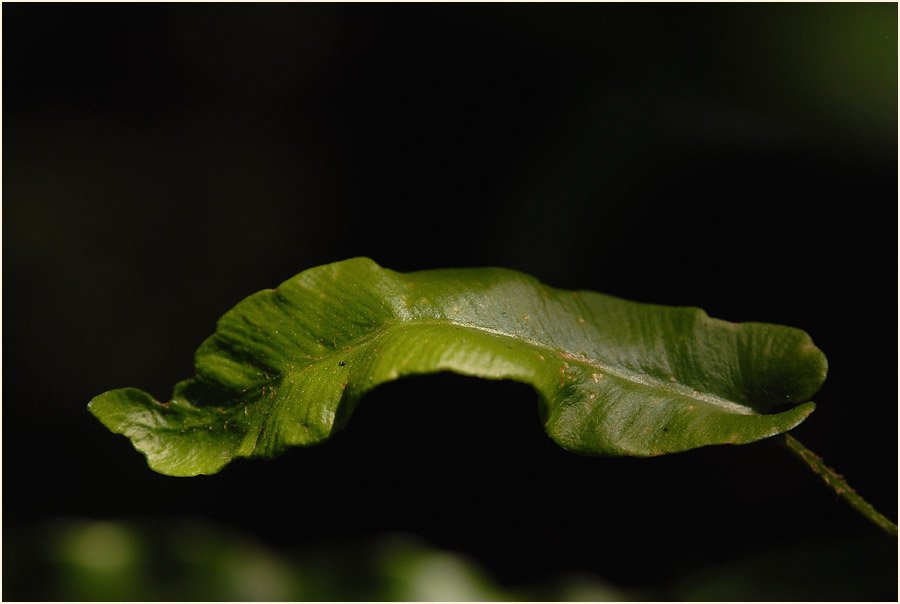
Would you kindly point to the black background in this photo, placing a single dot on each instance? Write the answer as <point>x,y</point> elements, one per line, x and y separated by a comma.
<point>162,162</point>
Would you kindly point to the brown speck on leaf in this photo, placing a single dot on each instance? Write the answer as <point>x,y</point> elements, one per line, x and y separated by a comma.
<point>344,385</point>
<point>596,377</point>
<point>220,409</point>
<point>690,407</point>
<point>580,321</point>
<point>562,381</point>
<point>162,404</point>
<point>541,357</point>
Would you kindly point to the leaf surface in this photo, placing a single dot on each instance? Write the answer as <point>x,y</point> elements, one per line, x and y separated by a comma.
<point>286,367</point>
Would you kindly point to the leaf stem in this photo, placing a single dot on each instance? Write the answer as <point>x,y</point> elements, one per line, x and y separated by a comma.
<point>840,486</point>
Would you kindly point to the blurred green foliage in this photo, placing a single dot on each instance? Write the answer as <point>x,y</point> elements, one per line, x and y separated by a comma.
<point>191,559</point>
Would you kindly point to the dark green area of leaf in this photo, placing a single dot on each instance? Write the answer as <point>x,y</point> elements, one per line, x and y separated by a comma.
<point>286,367</point>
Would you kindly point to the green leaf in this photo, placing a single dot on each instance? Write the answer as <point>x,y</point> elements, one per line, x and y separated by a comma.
<point>286,367</point>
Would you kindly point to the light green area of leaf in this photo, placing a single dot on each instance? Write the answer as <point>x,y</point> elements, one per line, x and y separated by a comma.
<point>286,367</point>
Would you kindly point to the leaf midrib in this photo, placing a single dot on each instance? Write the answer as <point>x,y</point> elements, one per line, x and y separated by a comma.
<point>677,388</point>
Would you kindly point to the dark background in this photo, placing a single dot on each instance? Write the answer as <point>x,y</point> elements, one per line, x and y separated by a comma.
<point>162,162</point>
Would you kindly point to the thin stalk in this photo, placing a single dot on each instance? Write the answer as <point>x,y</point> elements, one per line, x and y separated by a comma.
<point>840,486</point>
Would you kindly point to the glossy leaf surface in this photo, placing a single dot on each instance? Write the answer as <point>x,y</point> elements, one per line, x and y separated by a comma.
<point>286,367</point>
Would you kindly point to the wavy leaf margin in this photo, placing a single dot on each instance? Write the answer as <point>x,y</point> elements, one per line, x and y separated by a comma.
<point>287,366</point>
